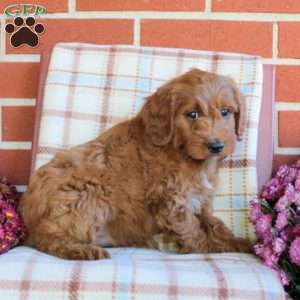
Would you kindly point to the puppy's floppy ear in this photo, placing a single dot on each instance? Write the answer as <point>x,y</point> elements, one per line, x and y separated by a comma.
<point>158,115</point>
<point>240,115</point>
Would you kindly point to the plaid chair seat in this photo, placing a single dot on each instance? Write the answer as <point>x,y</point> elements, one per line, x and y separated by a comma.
<point>138,274</point>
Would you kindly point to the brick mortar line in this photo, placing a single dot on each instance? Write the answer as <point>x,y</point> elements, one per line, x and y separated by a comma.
<point>286,151</point>
<point>15,145</point>
<point>275,44</point>
<point>287,106</point>
<point>36,58</point>
<point>71,6</point>
<point>202,15</point>
<point>17,101</point>
<point>137,32</point>
<point>20,58</point>
<point>282,61</point>
<point>208,6</point>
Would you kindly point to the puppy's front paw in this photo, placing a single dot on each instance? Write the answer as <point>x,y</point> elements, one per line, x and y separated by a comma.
<point>87,252</point>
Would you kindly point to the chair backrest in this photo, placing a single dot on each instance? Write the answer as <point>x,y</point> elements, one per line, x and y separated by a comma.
<point>265,153</point>
<point>116,79</point>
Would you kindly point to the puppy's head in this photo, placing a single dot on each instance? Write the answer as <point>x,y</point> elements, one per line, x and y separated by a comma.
<point>199,112</point>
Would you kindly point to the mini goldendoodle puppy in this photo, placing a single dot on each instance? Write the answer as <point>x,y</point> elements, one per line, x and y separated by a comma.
<point>152,175</point>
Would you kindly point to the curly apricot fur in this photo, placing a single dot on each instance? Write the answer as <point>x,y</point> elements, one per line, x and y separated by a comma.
<point>135,180</point>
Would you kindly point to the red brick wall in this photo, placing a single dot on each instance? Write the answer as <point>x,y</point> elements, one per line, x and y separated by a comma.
<point>270,28</point>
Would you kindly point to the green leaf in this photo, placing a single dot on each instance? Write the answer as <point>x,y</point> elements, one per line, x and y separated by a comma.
<point>265,207</point>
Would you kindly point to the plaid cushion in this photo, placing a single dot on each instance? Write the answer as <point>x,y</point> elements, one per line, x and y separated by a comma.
<point>137,274</point>
<point>90,88</point>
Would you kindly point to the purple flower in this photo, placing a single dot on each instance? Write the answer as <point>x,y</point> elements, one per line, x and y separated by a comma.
<point>269,256</point>
<point>286,174</point>
<point>282,203</point>
<point>272,189</point>
<point>297,184</point>
<point>278,246</point>
<point>294,251</point>
<point>282,220</point>
<point>8,193</point>
<point>291,175</point>
<point>259,249</point>
<point>255,211</point>
<point>283,171</point>
<point>296,231</point>
<point>283,277</point>
<point>286,233</point>
<point>297,199</point>
<point>263,225</point>
<point>11,226</point>
<point>290,192</point>
<point>271,261</point>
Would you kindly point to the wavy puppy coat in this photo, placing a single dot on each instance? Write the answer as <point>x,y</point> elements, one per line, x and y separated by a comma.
<point>152,175</point>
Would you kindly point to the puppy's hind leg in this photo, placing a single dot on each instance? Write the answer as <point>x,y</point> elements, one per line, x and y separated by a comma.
<point>69,249</point>
<point>68,238</point>
<point>68,227</point>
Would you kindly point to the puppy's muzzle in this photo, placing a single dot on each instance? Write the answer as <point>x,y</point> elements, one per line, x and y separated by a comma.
<point>215,146</point>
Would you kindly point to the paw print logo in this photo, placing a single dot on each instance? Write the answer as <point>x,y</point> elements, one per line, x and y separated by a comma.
<point>24,32</point>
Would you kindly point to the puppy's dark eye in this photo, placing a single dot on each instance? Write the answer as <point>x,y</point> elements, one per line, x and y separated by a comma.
<point>193,115</point>
<point>225,112</point>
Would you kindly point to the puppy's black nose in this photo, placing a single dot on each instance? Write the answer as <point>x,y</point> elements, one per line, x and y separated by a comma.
<point>215,146</point>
